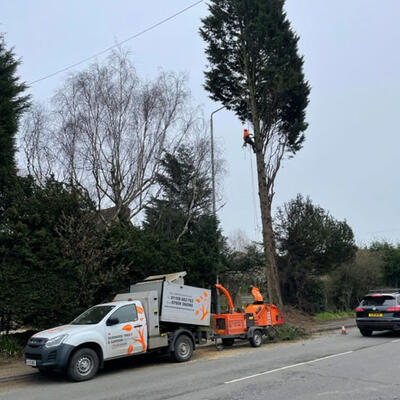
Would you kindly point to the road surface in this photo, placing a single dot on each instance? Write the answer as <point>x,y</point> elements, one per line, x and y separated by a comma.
<point>330,366</point>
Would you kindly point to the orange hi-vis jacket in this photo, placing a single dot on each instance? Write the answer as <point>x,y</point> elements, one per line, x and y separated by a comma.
<point>246,134</point>
<point>255,291</point>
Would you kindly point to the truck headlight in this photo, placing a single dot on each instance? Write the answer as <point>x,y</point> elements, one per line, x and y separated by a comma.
<point>56,341</point>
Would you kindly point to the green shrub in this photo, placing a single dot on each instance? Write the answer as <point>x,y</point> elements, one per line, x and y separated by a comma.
<point>286,332</point>
<point>10,346</point>
<point>347,285</point>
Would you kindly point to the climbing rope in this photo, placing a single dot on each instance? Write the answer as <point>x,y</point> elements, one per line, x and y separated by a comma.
<point>257,228</point>
<point>253,191</point>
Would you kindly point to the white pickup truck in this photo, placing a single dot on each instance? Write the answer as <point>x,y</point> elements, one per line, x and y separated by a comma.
<point>158,313</point>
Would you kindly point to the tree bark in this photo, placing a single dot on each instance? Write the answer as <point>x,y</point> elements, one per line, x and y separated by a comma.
<point>274,291</point>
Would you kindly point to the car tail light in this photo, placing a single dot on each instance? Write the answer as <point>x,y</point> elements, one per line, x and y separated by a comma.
<point>393,309</point>
<point>359,309</point>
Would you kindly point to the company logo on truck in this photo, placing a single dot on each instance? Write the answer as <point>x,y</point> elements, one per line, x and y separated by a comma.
<point>180,301</point>
<point>203,302</point>
<point>186,304</point>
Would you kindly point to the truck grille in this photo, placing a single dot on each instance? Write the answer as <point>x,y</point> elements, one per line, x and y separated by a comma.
<point>36,342</point>
<point>31,356</point>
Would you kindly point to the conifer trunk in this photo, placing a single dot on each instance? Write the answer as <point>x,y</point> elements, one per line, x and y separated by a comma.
<point>271,269</point>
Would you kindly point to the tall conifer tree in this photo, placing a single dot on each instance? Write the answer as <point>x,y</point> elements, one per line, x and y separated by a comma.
<point>255,70</point>
<point>12,104</point>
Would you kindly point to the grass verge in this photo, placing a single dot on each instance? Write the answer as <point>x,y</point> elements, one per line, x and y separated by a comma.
<point>329,316</point>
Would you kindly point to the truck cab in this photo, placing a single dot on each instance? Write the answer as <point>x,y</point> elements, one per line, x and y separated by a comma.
<point>102,332</point>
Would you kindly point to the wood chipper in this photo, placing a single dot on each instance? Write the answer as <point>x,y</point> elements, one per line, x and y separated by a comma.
<point>249,325</point>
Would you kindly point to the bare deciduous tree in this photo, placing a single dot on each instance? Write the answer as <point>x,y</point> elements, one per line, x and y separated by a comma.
<point>200,176</point>
<point>109,133</point>
<point>36,143</point>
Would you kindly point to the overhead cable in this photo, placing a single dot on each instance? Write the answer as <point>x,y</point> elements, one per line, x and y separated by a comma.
<point>117,44</point>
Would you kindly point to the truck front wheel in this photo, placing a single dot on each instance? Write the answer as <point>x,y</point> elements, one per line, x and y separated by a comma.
<point>83,365</point>
<point>183,349</point>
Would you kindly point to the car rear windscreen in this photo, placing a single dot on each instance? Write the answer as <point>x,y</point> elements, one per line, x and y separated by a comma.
<point>384,301</point>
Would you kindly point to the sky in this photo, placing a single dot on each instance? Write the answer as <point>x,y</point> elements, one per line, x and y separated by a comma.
<point>349,162</point>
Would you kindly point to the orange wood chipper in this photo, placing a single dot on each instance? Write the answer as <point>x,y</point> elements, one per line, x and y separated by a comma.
<point>249,325</point>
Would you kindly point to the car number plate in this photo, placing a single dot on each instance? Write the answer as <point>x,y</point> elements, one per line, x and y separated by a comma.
<point>32,363</point>
<point>375,314</point>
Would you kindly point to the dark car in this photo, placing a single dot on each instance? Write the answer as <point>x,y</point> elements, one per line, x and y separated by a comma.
<point>379,310</point>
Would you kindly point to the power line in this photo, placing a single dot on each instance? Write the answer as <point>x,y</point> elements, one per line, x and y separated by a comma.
<point>383,231</point>
<point>118,44</point>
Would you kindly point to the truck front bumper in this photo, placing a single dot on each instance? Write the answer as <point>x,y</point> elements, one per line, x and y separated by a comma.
<point>48,358</point>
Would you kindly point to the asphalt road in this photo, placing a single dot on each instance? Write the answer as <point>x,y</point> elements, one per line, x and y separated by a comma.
<point>331,366</point>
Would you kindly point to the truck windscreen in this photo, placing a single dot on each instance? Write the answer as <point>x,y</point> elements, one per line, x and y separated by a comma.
<point>92,316</point>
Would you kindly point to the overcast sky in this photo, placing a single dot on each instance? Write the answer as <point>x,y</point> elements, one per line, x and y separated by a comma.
<point>349,162</point>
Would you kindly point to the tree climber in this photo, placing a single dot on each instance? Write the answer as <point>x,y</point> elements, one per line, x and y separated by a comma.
<point>258,298</point>
<point>248,140</point>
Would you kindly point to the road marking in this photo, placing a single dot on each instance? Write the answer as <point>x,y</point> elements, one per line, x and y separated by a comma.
<point>288,366</point>
<point>395,341</point>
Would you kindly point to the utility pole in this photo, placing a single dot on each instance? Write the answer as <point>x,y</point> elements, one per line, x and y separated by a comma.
<point>213,193</point>
<point>212,160</point>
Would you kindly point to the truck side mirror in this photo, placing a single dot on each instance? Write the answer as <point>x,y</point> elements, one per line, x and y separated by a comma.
<point>112,321</point>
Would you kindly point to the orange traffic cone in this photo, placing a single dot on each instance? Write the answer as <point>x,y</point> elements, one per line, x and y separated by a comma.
<point>344,332</point>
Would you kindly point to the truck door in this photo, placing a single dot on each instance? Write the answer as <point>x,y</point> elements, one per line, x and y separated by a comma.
<point>128,332</point>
